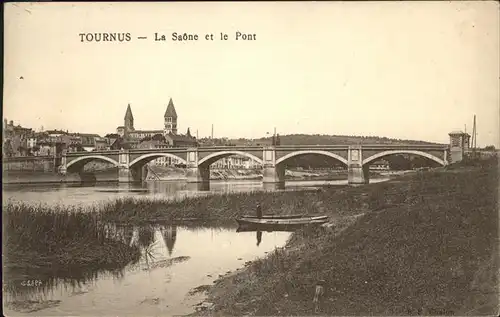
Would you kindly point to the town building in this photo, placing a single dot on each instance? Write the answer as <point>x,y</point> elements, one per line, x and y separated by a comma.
<point>235,162</point>
<point>129,137</point>
<point>380,165</point>
<point>15,139</point>
<point>128,130</point>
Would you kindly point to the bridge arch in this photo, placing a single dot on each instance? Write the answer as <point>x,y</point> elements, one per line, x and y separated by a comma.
<point>85,159</point>
<point>218,155</point>
<point>325,153</point>
<point>151,156</point>
<point>415,152</point>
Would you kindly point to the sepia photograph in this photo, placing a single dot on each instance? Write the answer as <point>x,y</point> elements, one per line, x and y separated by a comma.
<point>334,158</point>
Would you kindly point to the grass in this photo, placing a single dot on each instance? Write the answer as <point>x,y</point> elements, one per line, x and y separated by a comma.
<point>338,200</point>
<point>429,248</point>
<point>60,238</point>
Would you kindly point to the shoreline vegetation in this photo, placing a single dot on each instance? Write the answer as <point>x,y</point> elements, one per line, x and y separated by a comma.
<point>422,243</point>
<point>55,237</point>
<point>426,244</point>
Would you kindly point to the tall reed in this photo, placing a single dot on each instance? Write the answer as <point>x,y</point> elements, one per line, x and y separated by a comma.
<point>41,235</point>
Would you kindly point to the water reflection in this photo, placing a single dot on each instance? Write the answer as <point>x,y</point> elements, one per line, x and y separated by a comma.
<point>71,194</point>
<point>273,186</point>
<point>202,187</point>
<point>259,237</point>
<point>169,234</point>
<point>174,260</point>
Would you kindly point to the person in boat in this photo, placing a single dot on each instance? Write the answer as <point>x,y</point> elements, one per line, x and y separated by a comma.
<point>259,211</point>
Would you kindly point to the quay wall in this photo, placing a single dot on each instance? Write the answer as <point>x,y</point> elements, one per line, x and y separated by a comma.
<point>41,177</point>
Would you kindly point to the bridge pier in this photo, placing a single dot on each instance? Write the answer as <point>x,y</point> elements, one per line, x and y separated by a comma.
<point>62,169</point>
<point>356,172</point>
<point>127,173</point>
<point>132,174</point>
<point>273,174</point>
<point>198,174</point>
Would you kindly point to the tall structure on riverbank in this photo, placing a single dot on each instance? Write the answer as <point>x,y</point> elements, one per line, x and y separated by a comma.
<point>128,131</point>
<point>459,144</point>
<point>134,138</point>
<point>170,119</point>
<point>129,120</point>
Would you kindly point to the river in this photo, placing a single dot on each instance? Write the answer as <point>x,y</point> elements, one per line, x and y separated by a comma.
<point>175,259</point>
<point>72,194</point>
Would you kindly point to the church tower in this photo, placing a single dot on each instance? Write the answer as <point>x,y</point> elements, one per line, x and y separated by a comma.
<point>170,118</point>
<point>129,120</point>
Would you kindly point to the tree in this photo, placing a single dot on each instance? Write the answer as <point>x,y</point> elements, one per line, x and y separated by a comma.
<point>159,137</point>
<point>399,163</point>
<point>489,148</point>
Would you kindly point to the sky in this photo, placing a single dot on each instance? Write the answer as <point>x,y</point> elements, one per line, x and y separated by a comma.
<point>409,70</point>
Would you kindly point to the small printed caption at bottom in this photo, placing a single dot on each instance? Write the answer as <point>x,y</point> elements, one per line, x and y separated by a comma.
<point>31,283</point>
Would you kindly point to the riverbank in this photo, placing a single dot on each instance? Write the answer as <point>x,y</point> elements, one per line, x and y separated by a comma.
<point>42,239</point>
<point>160,174</point>
<point>174,173</point>
<point>41,178</point>
<point>426,244</point>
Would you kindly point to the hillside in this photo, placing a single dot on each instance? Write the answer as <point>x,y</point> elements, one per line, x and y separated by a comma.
<point>323,139</point>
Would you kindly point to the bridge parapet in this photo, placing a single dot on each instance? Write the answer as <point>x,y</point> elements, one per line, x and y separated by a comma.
<point>83,153</point>
<point>405,146</point>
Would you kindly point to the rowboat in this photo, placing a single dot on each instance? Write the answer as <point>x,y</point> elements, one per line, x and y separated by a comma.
<point>276,216</point>
<point>267,228</point>
<point>280,221</point>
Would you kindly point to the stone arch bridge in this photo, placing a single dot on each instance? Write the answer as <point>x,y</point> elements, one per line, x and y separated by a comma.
<point>131,163</point>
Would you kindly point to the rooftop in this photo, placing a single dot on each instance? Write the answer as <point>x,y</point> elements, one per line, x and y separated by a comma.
<point>180,137</point>
<point>56,132</point>
<point>147,131</point>
<point>458,132</point>
<point>128,113</point>
<point>170,112</point>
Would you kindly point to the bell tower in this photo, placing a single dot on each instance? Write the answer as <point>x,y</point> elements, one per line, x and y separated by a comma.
<point>170,119</point>
<point>129,120</point>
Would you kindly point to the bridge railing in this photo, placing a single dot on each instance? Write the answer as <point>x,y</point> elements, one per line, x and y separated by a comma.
<point>278,147</point>
<point>80,153</point>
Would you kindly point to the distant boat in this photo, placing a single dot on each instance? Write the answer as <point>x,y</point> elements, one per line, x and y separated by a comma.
<point>281,221</point>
